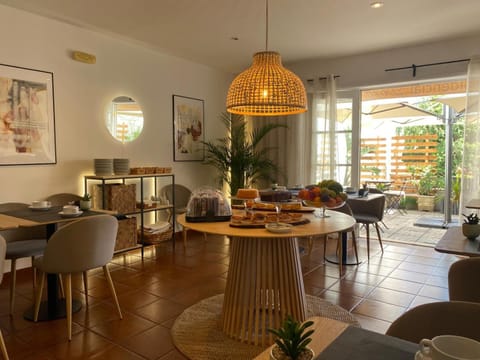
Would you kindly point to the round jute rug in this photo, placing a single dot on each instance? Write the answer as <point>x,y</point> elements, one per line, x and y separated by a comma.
<point>197,333</point>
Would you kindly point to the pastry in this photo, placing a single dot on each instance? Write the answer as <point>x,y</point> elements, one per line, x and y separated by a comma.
<point>247,194</point>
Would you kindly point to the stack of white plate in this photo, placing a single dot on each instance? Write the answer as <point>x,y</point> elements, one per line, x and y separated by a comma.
<point>121,166</point>
<point>103,167</point>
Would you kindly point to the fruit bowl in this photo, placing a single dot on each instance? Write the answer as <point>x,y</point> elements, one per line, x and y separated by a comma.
<point>328,194</point>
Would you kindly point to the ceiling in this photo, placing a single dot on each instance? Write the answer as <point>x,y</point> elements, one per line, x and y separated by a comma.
<point>202,30</point>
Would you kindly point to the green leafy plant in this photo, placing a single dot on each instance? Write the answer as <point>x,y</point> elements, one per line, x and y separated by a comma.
<point>471,218</point>
<point>239,159</point>
<point>293,337</point>
<point>429,181</point>
<point>86,197</point>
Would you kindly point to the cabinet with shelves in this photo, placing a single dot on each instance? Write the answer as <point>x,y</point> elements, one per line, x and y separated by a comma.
<point>130,200</point>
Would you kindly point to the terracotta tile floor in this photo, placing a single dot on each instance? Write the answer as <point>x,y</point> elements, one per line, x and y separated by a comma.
<point>154,291</point>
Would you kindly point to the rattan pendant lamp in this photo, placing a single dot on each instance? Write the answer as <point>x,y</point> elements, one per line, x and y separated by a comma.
<point>266,88</point>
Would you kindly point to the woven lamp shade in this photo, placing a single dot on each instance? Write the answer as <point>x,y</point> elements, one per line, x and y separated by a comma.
<point>266,89</point>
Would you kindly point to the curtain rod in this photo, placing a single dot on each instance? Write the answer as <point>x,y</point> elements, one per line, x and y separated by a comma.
<point>415,67</point>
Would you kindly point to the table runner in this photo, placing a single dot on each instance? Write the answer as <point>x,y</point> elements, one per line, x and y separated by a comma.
<point>360,344</point>
<point>45,216</point>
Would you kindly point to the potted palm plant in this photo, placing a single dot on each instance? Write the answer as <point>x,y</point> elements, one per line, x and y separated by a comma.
<point>239,159</point>
<point>292,340</point>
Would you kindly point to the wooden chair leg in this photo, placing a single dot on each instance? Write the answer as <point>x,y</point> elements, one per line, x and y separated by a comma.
<point>60,283</point>
<point>85,286</point>
<point>38,297</point>
<point>184,235</point>
<point>13,280</point>
<point>112,289</point>
<point>34,275</point>
<point>3,347</point>
<point>354,243</point>
<point>68,304</point>
<point>367,227</point>
<point>379,237</point>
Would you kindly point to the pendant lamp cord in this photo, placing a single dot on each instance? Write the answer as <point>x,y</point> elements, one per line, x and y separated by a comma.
<point>266,25</point>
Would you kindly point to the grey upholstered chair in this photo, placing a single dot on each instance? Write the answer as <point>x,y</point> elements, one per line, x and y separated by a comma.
<point>182,195</point>
<point>369,213</point>
<point>21,243</point>
<point>84,244</point>
<point>460,286</point>
<point>426,321</point>
<point>3,248</point>
<point>63,198</point>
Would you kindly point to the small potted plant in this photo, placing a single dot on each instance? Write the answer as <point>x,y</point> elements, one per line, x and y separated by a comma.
<point>471,226</point>
<point>86,202</point>
<point>292,340</point>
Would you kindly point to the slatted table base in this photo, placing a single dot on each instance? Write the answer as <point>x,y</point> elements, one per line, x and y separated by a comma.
<point>264,285</point>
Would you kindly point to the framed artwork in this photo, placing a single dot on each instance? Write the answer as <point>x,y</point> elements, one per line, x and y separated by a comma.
<point>27,117</point>
<point>188,129</point>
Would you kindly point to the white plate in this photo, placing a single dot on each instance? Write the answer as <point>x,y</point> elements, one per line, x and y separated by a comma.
<point>37,208</point>
<point>62,214</point>
<point>279,228</point>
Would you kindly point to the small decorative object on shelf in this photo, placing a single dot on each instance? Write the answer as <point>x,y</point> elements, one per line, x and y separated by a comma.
<point>292,340</point>
<point>328,194</point>
<point>86,202</point>
<point>471,226</point>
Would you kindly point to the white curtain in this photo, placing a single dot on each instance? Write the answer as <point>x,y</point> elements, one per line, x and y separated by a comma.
<point>471,147</point>
<point>324,124</point>
<point>292,147</point>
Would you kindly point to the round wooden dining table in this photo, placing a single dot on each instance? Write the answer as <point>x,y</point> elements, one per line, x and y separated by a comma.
<point>264,281</point>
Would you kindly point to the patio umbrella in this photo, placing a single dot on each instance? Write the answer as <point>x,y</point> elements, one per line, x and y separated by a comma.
<point>410,114</point>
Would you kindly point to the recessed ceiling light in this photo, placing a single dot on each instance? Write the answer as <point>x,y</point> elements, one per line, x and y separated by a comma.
<point>376,4</point>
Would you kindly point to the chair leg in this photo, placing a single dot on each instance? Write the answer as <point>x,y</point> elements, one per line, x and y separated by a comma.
<point>354,243</point>
<point>379,237</point>
<point>85,286</point>
<point>60,283</point>
<point>3,347</point>
<point>34,275</point>
<point>38,298</point>
<point>112,289</point>
<point>184,234</point>
<point>367,226</point>
<point>68,304</point>
<point>13,280</point>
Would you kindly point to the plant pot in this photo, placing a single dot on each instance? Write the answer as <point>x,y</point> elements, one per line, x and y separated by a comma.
<point>277,354</point>
<point>85,204</point>
<point>426,202</point>
<point>471,231</point>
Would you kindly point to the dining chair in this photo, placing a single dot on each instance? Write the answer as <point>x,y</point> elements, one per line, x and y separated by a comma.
<point>460,286</point>
<point>3,249</point>
<point>369,213</point>
<point>61,199</point>
<point>81,245</point>
<point>22,243</point>
<point>182,195</point>
<point>426,321</point>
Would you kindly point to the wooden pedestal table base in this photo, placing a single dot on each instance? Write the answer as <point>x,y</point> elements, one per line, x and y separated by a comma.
<point>264,285</point>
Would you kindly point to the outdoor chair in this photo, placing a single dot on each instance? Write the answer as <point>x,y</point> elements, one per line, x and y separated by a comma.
<point>394,198</point>
<point>79,246</point>
<point>460,286</point>
<point>426,321</point>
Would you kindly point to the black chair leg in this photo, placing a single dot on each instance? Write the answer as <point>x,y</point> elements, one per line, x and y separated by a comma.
<point>379,237</point>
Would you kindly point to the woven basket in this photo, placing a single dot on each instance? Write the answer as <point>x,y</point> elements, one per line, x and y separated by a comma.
<point>150,239</point>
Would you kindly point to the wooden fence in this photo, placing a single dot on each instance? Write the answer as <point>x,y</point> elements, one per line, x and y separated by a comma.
<point>399,158</point>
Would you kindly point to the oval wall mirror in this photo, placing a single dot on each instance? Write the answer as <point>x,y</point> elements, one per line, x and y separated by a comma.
<point>124,119</point>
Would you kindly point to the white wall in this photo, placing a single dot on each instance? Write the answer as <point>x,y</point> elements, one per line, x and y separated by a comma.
<point>82,93</point>
<point>369,69</point>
